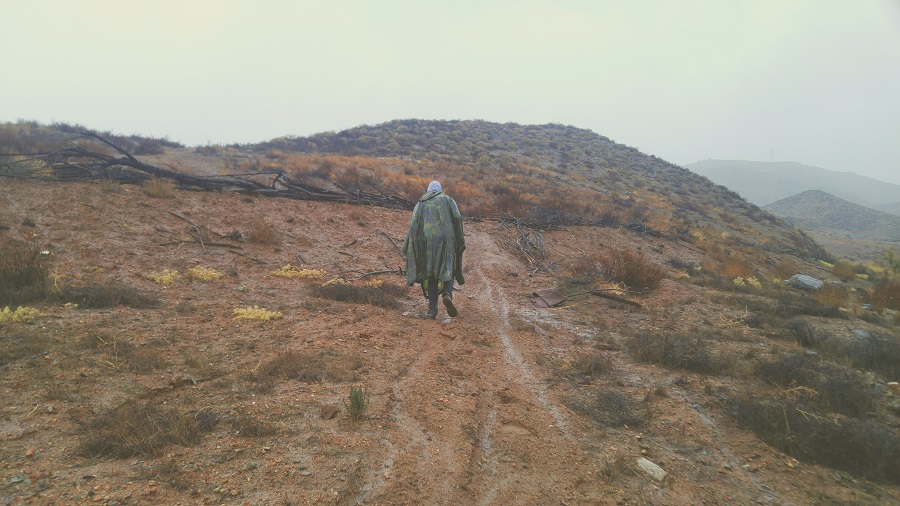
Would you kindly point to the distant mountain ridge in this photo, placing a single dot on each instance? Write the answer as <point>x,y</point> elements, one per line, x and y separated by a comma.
<point>815,210</point>
<point>764,183</point>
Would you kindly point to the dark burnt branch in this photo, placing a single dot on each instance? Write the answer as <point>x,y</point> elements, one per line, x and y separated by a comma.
<point>82,162</point>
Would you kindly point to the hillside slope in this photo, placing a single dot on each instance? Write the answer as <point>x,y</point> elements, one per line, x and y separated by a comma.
<point>820,211</point>
<point>506,404</point>
<point>766,182</point>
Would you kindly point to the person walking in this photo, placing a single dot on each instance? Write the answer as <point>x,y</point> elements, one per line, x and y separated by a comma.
<point>434,247</point>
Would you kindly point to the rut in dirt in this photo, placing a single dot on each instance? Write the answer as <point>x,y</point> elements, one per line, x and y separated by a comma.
<point>469,404</point>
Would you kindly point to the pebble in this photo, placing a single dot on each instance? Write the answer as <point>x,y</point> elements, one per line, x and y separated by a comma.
<point>305,473</point>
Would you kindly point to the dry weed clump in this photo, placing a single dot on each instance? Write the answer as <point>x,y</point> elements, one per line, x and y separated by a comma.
<point>631,268</point>
<point>885,294</point>
<point>612,408</point>
<point>291,272</point>
<point>678,352</point>
<point>24,272</point>
<point>787,422</point>
<point>159,188</point>
<point>256,313</point>
<point>200,273</point>
<point>828,387</point>
<point>103,296</point>
<point>144,428</point>
<point>734,267</point>
<point>382,295</point>
<point>831,295</point>
<point>262,232</point>
<point>18,342</point>
<point>307,367</point>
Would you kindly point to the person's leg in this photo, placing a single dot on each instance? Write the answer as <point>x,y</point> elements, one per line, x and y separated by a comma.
<point>432,297</point>
<point>448,298</point>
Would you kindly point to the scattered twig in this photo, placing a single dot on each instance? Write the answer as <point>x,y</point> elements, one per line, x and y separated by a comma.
<point>301,259</point>
<point>374,273</point>
<point>601,293</point>
<point>219,244</point>
<point>351,243</point>
<point>382,232</point>
<point>248,256</point>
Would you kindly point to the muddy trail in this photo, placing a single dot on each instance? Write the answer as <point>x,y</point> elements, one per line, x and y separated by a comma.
<point>495,406</point>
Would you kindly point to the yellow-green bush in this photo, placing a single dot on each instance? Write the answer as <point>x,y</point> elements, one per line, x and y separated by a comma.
<point>256,313</point>
<point>291,272</point>
<point>166,277</point>
<point>201,273</point>
<point>20,315</point>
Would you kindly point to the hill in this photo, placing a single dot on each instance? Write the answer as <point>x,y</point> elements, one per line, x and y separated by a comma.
<point>846,229</point>
<point>766,182</point>
<point>820,211</point>
<point>169,345</point>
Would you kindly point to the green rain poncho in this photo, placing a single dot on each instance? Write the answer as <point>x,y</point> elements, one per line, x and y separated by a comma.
<point>434,243</point>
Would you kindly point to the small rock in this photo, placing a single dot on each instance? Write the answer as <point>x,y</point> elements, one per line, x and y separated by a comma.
<point>804,282</point>
<point>17,479</point>
<point>894,386</point>
<point>654,471</point>
<point>305,473</point>
<point>30,453</point>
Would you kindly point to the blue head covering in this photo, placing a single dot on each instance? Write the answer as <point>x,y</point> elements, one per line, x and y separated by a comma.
<point>434,186</point>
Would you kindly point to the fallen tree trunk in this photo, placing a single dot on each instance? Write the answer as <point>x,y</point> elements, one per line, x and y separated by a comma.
<point>76,162</point>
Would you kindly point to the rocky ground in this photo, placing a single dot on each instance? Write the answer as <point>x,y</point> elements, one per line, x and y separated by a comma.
<point>505,404</point>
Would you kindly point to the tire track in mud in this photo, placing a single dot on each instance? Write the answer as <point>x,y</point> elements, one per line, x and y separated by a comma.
<point>454,438</point>
<point>513,372</point>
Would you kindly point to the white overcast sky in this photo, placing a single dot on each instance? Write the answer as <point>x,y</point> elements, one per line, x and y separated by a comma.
<point>812,81</point>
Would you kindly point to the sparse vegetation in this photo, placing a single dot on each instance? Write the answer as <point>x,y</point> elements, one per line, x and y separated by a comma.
<point>256,313</point>
<point>612,408</point>
<point>383,295</point>
<point>24,272</point>
<point>357,403</point>
<point>166,277</point>
<point>263,232</point>
<point>291,272</point>
<point>22,314</point>
<point>144,428</point>
<point>788,423</point>
<point>159,188</point>
<point>201,273</point>
<point>106,295</point>
<point>676,351</point>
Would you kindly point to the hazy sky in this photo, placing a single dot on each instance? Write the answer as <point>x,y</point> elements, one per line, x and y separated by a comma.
<point>812,81</point>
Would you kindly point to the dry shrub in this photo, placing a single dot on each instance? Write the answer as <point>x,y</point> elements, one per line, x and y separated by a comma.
<point>247,425</point>
<point>159,188</point>
<point>307,367</point>
<point>17,343</point>
<point>104,296</point>
<point>24,273</point>
<point>612,408</point>
<point>831,295</point>
<point>631,268</point>
<point>263,232</point>
<point>785,268</point>
<point>787,423</point>
<point>590,364</point>
<point>885,294</point>
<point>830,387</point>
<point>676,351</point>
<point>381,295</point>
<point>806,335</point>
<point>844,270</point>
<point>144,428</point>
<point>736,268</point>
<point>880,354</point>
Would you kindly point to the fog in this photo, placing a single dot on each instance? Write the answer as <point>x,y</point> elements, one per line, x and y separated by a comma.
<point>811,81</point>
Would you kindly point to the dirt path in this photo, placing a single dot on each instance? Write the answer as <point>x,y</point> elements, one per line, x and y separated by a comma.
<point>474,424</point>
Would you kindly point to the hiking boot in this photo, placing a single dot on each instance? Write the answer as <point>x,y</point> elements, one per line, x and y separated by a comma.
<point>448,303</point>
<point>431,314</point>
